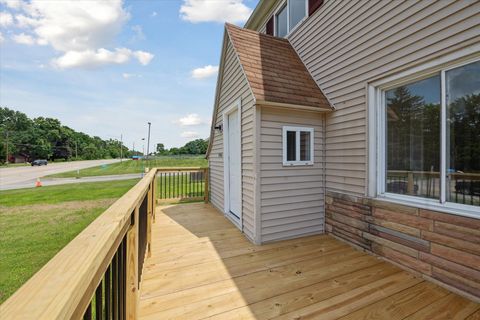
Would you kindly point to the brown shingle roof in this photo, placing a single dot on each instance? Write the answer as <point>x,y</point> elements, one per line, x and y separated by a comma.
<point>274,70</point>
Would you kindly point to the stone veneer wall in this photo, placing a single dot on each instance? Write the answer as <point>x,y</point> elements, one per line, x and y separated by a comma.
<point>437,245</point>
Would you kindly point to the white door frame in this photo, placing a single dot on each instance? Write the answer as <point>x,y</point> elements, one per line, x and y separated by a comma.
<point>237,105</point>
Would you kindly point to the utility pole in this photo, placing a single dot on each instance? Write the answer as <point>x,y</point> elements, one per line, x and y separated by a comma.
<point>121,148</point>
<point>148,141</point>
<point>133,148</point>
<point>76,150</point>
<point>6,149</point>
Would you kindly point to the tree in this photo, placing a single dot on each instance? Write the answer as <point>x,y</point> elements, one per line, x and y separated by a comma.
<point>160,148</point>
<point>413,132</point>
<point>47,138</point>
<point>198,146</point>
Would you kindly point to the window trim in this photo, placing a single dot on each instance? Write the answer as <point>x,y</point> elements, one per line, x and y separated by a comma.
<point>297,162</point>
<point>286,4</point>
<point>377,133</point>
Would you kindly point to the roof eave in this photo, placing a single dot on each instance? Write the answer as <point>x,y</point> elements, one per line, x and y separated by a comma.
<point>259,13</point>
<point>290,106</point>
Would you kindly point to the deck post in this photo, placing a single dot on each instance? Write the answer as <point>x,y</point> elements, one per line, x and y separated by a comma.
<point>150,205</point>
<point>132,295</point>
<point>154,196</point>
<point>410,187</point>
<point>205,191</point>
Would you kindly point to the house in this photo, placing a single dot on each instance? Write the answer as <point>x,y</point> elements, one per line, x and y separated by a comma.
<point>356,119</point>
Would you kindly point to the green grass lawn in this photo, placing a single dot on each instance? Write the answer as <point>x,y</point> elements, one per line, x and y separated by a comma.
<point>36,223</point>
<point>136,166</point>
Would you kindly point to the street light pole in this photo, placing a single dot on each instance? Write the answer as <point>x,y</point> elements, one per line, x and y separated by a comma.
<point>148,141</point>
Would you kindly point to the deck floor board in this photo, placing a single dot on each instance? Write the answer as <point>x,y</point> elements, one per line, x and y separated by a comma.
<point>203,267</point>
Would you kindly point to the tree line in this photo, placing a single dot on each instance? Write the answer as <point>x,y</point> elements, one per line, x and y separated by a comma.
<point>47,138</point>
<point>413,141</point>
<point>196,147</point>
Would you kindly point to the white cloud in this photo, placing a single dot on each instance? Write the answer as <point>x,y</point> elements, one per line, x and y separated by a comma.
<point>143,57</point>
<point>130,75</point>
<point>139,35</point>
<point>82,30</point>
<point>1,38</point>
<point>12,4</point>
<point>154,14</point>
<point>234,11</point>
<point>189,134</point>
<point>6,19</point>
<point>204,72</point>
<point>77,25</point>
<point>192,119</point>
<point>25,22</point>
<point>23,38</point>
<point>97,58</point>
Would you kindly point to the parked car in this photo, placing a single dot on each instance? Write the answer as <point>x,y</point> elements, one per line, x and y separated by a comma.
<point>39,162</point>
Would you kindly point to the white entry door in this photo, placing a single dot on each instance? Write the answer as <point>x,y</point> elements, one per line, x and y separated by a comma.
<point>234,165</point>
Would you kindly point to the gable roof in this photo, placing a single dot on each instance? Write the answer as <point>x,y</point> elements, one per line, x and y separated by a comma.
<point>275,73</point>
<point>274,70</point>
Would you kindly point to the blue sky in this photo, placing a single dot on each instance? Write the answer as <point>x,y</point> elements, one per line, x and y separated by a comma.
<point>108,67</point>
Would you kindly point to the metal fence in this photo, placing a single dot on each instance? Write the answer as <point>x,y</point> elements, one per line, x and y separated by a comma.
<point>463,188</point>
<point>182,184</point>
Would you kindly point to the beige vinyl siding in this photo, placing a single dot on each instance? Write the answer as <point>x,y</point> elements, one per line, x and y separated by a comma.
<point>232,87</point>
<point>346,44</point>
<point>263,28</point>
<point>291,197</point>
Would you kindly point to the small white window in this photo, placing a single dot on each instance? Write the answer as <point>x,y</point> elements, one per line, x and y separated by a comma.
<point>297,146</point>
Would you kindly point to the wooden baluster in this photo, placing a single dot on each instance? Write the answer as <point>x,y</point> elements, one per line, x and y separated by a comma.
<point>108,296</point>
<point>149,220</point>
<point>410,183</point>
<point>99,301</point>
<point>115,286</point>
<point>132,268</point>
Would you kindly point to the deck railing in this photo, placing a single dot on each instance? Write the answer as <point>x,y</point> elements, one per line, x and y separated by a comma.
<point>182,184</point>
<point>97,275</point>
<point>462,187</point>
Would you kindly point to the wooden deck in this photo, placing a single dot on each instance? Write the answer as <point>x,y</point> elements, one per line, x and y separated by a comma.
<point>202,267</point>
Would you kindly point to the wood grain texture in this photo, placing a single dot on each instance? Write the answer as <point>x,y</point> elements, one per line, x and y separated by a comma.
<point>202,267</point>
<point>63,287</point>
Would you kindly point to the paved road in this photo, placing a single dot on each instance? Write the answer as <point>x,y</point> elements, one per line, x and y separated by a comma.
<point>58,181</point>
<point>21,177</point>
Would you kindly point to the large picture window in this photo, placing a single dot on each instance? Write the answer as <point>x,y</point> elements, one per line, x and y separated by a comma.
<point>297,146</point>
<point>428,138</point>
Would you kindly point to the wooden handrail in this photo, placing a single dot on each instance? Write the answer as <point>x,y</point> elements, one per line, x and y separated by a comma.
<point>63,288</point>
<point>458,175</point>
<point>179,169</point>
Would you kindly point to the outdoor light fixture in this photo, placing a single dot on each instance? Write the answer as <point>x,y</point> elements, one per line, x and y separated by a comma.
<point>219,128</point>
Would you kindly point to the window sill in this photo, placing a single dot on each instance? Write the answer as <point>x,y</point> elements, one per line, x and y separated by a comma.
<point>431,204</point>
<point>297,164</point>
